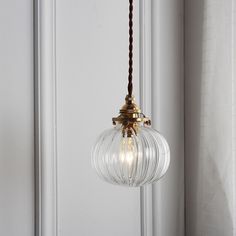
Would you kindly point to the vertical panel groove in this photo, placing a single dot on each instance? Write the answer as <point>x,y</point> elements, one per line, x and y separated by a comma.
<point>37,134</point>
<point>45,119</point>
<point>146,198</point>
<point>233,110</point>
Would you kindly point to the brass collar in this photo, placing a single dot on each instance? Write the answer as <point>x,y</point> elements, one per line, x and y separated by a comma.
<point>130,117</point>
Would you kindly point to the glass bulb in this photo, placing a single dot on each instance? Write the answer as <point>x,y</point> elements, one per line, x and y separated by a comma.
<point>131,160</point>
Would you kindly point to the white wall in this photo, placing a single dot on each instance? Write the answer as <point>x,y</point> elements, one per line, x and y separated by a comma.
<point>90,83</point>
<point>92,65</point>
<point>16,119</point>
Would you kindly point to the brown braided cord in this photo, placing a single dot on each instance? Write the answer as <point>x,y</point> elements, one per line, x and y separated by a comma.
<point>130,76</point>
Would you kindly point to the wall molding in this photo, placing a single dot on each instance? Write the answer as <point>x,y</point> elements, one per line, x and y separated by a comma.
<point>145,73</point>
<point>46,212</point>
<point>45,118</point>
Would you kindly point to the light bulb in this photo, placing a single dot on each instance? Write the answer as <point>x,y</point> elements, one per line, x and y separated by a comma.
<point>128,152</point>
<point>128,156</point>
<point>131,154</point>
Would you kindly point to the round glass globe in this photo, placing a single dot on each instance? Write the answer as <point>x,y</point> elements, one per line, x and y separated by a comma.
<point>135,160</point>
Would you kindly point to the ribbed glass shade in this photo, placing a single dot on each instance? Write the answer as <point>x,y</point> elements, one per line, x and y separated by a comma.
<point>132,161</point>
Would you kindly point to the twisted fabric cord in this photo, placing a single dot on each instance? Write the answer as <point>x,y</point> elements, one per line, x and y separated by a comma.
<point>130,76</point>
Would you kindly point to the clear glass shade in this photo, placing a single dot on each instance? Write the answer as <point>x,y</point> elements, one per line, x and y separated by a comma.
<point>134,161</point>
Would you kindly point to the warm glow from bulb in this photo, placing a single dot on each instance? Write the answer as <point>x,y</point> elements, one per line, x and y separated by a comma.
<point>128,152</point>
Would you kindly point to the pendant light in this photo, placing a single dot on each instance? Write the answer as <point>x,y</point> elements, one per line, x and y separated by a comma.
<point>131,153</point>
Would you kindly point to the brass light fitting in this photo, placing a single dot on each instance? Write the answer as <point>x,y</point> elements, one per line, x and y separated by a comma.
<point>130,117</point>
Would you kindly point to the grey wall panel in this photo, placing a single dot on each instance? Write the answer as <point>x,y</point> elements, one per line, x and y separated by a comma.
<point>16,119</point>
<point>92,63</point>
<point>168,112</point>
<point>90,84</point>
